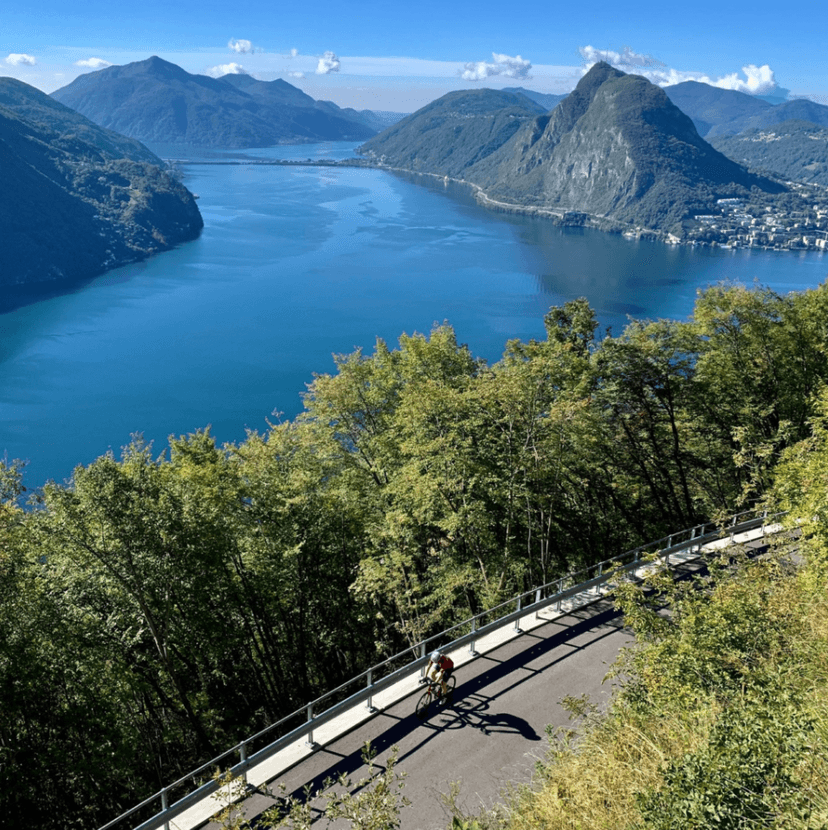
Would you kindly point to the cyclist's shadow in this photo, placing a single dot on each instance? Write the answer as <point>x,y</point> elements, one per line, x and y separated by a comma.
<point>471,711</point>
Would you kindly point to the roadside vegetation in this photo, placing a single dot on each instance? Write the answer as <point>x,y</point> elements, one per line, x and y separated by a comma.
<point>167,603</point>
<point>722,718</point>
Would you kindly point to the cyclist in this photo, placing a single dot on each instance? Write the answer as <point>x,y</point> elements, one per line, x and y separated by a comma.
<point>441,666</point>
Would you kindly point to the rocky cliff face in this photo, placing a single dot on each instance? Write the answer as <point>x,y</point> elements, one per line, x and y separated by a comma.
<point>78,200</point>
<point>616,147</point>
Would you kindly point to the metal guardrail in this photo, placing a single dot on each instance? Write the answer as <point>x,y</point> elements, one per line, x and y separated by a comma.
<point>373,681</point>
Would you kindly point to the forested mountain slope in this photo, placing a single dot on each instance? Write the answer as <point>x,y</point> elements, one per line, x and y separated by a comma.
<point>795,150</point>
<point>164,605</point>
<point>450,134</point>
<point>78,199</point>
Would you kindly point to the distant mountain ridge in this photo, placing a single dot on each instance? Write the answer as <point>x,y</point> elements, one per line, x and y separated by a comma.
<point>718,111</point>
<point>547,100</point>
<point>156,101</point>
<point>794,150</point>
<point>78,199</point>
<point>616,148</point>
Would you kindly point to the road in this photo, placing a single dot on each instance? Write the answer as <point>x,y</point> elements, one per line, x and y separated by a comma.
<point>494,731</point>
<point>496,728</point>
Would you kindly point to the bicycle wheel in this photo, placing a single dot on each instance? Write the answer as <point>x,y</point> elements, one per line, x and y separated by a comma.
<point>451,683</point>
<point>424,704</point>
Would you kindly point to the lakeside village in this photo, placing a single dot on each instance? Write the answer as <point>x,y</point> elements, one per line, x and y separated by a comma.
<point>761,222</point>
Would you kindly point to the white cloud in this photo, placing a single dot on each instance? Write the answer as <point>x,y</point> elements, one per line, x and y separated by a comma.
<point>757,80</point>
<point>294,53</point>
<point>93,63</point>
<point>619,60</point>
<point>242,47</point>
<point>504,65</point>
<point>296,74</point>
<point>226,69</point>
<point>328,63</point>
<point>21,60</point>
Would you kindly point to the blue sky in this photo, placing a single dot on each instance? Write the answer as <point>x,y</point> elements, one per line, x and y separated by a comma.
<point>394,56</point>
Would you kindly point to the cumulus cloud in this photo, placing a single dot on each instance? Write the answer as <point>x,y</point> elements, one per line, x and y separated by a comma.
<point>756,80</point>
<point>328,63</point>
<point>226,69</point>
<point>759,80</point>
<point>21,60</point>
<point>242,47</point>
<point>504,65</point>
<point>296,74</point>
<point>294,53</point>
<point>93,63</point>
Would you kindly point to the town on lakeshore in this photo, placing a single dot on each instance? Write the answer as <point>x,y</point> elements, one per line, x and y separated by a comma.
<point>759,223</point>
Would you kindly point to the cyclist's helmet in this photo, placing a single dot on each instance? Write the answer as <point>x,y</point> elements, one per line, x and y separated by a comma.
<point>435,656</point>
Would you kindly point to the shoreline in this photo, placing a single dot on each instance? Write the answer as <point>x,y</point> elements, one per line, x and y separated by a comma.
<point>558,216</point>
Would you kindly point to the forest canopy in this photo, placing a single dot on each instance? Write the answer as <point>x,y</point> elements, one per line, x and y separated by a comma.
<point>163,605</point>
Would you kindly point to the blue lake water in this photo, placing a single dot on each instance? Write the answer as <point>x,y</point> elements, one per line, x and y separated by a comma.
<point>295,264</point>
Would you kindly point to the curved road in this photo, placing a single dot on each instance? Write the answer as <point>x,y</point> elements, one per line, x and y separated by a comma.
<point>495,729</point>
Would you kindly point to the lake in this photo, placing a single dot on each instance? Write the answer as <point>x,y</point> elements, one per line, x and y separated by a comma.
<point>295,264</point>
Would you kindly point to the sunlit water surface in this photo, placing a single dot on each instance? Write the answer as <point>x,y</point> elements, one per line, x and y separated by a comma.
<point>295,264</point>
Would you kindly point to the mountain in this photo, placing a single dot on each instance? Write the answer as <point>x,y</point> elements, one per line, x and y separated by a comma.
<point>77,199</point>
<point>615,148</point>
<point>26,102</point>
<point>545,99</point>
<point>795,150</point>
<point>381,119</point>
<point>726,112</point>
<point>715,111</point>
<point>454,132</point>
<point>156,101</point>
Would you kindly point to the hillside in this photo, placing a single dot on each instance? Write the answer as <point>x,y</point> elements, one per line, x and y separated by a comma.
<point>420,486</point>
<point>795,150</point>
<point>157,101</point>
<point>454,132</point>
<point>615,148</point>
<point>77,199</point>
<point>718,112</point>
<point>618,148</point>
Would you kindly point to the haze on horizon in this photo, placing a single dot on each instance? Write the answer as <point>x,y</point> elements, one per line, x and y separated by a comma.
<point>398,57</point>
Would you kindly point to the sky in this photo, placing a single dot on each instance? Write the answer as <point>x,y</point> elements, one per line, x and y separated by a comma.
<point>400,56</point>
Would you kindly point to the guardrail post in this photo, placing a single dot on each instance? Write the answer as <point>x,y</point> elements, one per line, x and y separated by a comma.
<point>472,649</point>
<point>560,591</point>
<point>368,686</point>
<point>537,600</point>
<point>165,805</point>
<point>422,654</point>
<point>310,742</point>
<point>242,759</point>
<point>517,621</point>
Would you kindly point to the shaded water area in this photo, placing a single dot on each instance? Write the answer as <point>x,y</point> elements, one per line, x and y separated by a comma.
<point>297,263</point>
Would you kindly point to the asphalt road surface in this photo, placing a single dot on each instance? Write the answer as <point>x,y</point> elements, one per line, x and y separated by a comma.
<point>493,732</point>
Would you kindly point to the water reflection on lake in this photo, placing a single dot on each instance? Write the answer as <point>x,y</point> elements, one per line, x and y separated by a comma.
<point>295,264</point>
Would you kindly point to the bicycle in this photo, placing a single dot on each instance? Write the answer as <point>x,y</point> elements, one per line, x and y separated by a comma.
<point>433,697</point>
